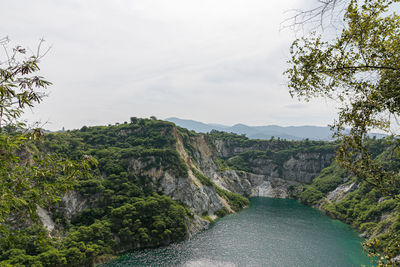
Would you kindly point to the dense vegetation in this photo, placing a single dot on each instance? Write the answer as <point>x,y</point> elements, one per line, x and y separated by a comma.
<point>255,144</point>
<point>360,67</point>
<point>124,211</point>
<point>122,208</point>
<point>363,206</point>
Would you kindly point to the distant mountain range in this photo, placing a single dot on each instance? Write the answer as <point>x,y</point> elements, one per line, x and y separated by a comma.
<point>262,132</point>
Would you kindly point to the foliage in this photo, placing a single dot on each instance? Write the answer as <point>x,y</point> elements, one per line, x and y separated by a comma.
<point>202,178</point>
<point>19,86</point>
<point>310,195</point>
<point>244,154</point>
<point>360,68</point>
<point>365,207</point>
<point>235,140</point>
<point>330,178</point>
<point>235,201</point>
<point>150,222</point>
<point>222,212</point>
<point>123,211</point>
<point>28,177</point>
<point>221,164</point>
<point>186,136</point>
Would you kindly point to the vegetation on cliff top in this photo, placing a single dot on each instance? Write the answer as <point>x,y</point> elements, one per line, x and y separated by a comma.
<point>122,210</point>
<point>245,153</point>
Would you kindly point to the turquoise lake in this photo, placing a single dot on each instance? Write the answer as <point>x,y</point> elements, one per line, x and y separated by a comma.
<point>271,232</point>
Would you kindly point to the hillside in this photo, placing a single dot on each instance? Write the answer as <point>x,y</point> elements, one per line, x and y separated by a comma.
<point>156,183</point>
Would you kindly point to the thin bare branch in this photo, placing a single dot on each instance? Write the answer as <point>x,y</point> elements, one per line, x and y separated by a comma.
<point>315,16</point>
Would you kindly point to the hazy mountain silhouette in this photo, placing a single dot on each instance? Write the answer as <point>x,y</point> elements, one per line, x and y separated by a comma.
<point>262,132</point>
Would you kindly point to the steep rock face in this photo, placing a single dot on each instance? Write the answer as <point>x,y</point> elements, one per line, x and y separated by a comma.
<point>201,199</point>
<point>252,185</point>
<point>187,189</point>
<point>341,192</point>
<point>72,203</point>
<point>45,218</point>
<point>196,225</point>
<point>267,177</point>
<point>304,167</point>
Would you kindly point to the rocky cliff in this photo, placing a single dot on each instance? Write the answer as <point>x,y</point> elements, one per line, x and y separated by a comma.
<point>258,167</point>
<point>211,163</point>
<point>156,184</point>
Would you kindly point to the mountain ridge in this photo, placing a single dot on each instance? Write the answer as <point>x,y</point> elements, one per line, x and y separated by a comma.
<point>258,132</point>
<point>295,133</point>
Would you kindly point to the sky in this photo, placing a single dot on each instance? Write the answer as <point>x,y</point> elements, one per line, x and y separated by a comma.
<point>212,61</point>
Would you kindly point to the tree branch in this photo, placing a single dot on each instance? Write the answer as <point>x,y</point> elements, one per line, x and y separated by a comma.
<point>361,67</point>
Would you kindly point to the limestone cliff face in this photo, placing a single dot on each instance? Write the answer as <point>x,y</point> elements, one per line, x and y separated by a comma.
<point>187,189</point>
<point>304,167</point>
<point>266,177</point>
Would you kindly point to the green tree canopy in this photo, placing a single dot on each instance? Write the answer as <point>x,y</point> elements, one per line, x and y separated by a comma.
<point>27,177</point>
<point>360,69</point>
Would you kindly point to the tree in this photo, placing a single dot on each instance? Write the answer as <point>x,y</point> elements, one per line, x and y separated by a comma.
<point>28,178</point>
<point>359,68</point>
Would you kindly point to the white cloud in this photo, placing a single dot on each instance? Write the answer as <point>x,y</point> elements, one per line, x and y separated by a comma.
<point>214,61</point>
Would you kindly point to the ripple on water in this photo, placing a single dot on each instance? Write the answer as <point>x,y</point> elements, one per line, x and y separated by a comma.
<point>271,232</point>
<point>208,263</point>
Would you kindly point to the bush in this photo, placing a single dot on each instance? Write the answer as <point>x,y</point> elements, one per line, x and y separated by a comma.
<point>222,212</point>
<point>235,201</point>
<point>330,178</point>
<point>310,195</point>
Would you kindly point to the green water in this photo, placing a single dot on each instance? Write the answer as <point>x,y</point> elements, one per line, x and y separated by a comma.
<point>271,232</point>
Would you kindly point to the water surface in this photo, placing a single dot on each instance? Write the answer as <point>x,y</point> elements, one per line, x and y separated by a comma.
<point>271,232</point>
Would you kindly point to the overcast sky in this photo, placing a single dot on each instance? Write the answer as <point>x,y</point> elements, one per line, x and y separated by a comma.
<point>216,61</point>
